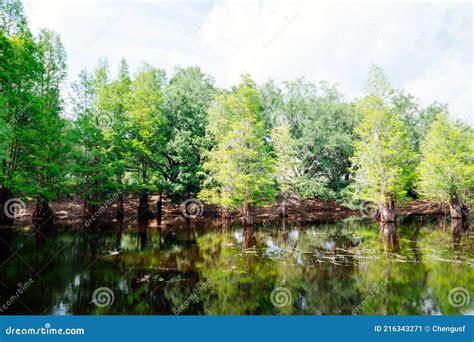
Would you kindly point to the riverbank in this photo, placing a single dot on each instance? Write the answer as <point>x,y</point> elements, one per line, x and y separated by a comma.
<point>70,211</point>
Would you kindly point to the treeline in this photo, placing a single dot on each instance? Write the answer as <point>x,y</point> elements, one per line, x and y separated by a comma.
<point>142,134</point>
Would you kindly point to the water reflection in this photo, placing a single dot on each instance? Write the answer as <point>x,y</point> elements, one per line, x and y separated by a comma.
<point>389,235</point>
<point>327,269</point>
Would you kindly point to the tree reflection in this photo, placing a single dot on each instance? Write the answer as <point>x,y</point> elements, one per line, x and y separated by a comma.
<point>389,235</point>
<point>328,269</point>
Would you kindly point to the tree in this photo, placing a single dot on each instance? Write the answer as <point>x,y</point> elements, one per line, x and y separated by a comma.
<point>20,71</point>
<point>381,155</point>
<point>90,164</point>
<point>321,123</point>
<point>42,171</point>
<point>446,169</point>
<point>240,166</point>
<point>112,100</point>
<point>186,100</point>
<point>286,162</point>
<point>13,21</point>
<point>147,127</point>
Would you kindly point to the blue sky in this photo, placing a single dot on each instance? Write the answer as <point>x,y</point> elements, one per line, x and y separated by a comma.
<point>425,48</point>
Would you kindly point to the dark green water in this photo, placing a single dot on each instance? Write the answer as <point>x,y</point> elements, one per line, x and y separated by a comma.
<point>319,269</point>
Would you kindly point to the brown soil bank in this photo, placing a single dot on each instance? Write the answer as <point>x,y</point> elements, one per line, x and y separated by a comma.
<point>70,211</point>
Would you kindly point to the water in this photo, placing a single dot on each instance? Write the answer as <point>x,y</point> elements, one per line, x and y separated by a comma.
<point>319,269</point>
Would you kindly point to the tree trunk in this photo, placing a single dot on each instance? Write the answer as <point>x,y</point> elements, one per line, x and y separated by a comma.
<point>5,195</point>
<point>389,235</point>
<point>247,216</point>
<point>465,209</point>
<point>89,214</point>
<point>455,208</point>
<point>225,224</point>
<point>225,214</point>
<point>144,213</point>
<point>43,216</point>
<point>6,250</point>
<point>284,209</point>
<point>187,223</point>
<point>457,226</point>
<point>159,209</point>
<point>249,238</point>
<point>458,229</point>
<point>465,225</point>
<point>143,229</point>
<point>119,213</point>
<point>388,212</point>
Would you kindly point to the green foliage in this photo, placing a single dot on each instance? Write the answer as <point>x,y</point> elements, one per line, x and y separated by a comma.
<point>89,163</point>
<point>147,125</point>
<point>12,19</point>
<point>31,74</point>
<point>286,163</point>
<point>186,100</point>
<point>383,154</point>
<point>144,134</point>
<point>321,124</point>
<point>447,162</point>
<point>44,150</point>
<point>112,101</point>
<point>240,165</point>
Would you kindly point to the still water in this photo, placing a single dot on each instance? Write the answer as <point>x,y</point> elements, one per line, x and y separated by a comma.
<point>311,269</point>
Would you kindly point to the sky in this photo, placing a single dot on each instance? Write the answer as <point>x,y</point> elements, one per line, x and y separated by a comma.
<point>425,48</point>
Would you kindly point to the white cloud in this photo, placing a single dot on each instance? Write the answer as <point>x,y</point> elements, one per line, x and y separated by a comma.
<point>448,80</point>
<point>418,44</point>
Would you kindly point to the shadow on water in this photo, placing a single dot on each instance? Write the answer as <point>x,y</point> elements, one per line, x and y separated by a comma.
<point>351,267</point>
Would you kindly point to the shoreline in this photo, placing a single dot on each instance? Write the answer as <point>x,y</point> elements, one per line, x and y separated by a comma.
<point>69,212</point>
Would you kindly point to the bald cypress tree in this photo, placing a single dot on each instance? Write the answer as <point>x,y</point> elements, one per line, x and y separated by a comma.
<point>240,165</point>
<point>446,169</point>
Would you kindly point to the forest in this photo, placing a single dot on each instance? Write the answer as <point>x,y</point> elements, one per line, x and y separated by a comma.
<point>113,134</point>
<point>147,190</point>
